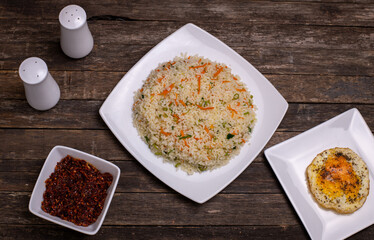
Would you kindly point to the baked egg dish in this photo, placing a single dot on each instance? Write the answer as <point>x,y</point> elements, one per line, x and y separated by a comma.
<point>339,180</point>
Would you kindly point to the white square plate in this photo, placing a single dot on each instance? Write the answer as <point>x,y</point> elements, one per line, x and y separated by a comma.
<point>55,156</point>
<point>117,111</point>
<point>290,159</point>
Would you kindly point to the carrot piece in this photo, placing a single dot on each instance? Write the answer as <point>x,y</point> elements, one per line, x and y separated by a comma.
<point>218,72</point>
<point>243,140</point>
<point>233,111</point>
<point>225,81</point>
<point>181,101</point>
<point>176,98</point>
<point>234,78</point>
<point>185,143</point>
<point>199,66</point>
<point>198,83</point>
<point>204,108</point>
<point>141,90</point>
<point>207,130</point>
<point>176,116</point>
<point>182,133</point>
<point>165,133</point>
<point>168,90</point>
<point>189,57</point>
<point>240,90</point>
<point>160,79</point>
<point>199,60</point>
<point>196,138</point>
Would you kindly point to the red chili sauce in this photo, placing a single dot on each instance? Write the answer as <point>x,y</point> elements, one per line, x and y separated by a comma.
<point>76,191</point>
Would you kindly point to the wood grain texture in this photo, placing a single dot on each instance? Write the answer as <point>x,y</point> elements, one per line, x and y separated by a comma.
<point>158,232</point>
<point>87,85</point>
<point>167,209</point>
<point>198,10</point>
<point>273,50</point>
<point>257,178</point>
<point>84,114</point>
<point>37,143</point>
<point>317,53</point>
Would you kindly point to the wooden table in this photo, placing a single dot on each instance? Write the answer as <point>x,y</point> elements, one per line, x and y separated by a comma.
<point>318,54</point>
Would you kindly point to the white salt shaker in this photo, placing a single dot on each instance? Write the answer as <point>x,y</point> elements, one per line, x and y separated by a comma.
<point>76,39</point>
<point>42,91</point>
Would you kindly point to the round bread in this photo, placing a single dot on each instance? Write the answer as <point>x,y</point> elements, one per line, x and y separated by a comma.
<point>339,179</point>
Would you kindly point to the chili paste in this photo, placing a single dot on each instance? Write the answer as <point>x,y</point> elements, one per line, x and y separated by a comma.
<point>76,191</point>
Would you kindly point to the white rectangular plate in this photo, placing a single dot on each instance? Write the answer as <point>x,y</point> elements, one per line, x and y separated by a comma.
<point>290,159</point>
<point>117,111</point>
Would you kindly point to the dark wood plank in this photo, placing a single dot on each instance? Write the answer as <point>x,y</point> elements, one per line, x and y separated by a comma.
<point>246,34</point>
<point>24,145</point>
<point>266,60</point>
<point>295,88</point>
<point>161,232</point>
<point>257,178</point>
<point>203,10</point>
<point>80,114</point>
<point>167,208</point>
<point>164,232</point>
<point>273,50</point>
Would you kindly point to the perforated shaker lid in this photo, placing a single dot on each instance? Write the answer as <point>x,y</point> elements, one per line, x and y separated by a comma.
<point>72,17</point>
<point>33,70</point>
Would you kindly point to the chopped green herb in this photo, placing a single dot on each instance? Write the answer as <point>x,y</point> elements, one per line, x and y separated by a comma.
<point>158,153</point>
<point>172,127</point>
<point>224,125</point>
<point>236,96</point>
<point>165,115</point>
<point>249,129</point>
<point>246,113</point>
<point>142,96</point>
<point>165,108</point>
<point>184,137</point>
<point>234,147</point>
<point>146,138</point>
<point>168,152</point>
<point>230,136</point>
<point>177,165</point>
<point>202,168</point>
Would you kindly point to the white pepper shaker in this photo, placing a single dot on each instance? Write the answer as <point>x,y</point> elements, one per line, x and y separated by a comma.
<point>42,91</point>
<point>76,39</point>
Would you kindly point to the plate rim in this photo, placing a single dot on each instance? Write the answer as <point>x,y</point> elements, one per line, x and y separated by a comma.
<point>354,112</point>
<point>282,102</point>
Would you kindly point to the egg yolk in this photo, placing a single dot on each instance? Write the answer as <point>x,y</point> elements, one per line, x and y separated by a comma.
<point>338,178</point>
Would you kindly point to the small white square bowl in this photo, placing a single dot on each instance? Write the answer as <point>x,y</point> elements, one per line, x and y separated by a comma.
<point>56,155</point>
